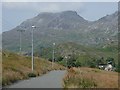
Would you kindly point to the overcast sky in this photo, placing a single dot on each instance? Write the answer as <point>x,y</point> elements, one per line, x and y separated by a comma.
<point>15,13</point>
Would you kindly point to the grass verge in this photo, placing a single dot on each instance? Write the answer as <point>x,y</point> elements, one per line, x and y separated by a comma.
<point>17,67</point>
<point>90,78</point>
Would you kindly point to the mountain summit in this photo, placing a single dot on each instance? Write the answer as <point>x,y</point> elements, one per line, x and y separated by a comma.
<point>62,20</point>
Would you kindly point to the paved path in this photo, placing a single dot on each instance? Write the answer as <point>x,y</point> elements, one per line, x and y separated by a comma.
<point>52,79</point>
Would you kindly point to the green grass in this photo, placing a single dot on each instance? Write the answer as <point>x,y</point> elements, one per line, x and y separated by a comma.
<point>17,67</point>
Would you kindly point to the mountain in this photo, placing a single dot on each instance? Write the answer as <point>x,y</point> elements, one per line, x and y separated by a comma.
<point>61,27</point>
<point>104,30</point>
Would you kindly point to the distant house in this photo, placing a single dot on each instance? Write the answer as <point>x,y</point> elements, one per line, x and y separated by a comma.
<point>102,66</point>
<point>107,67</point>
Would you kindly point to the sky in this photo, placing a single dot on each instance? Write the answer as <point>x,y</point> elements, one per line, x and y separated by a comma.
<point>14,13</point>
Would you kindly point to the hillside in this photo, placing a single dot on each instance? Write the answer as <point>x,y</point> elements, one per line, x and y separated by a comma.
<point>86,56</point>
<point>61,27</point>
<point>90,78</point>
<point>16,67</point>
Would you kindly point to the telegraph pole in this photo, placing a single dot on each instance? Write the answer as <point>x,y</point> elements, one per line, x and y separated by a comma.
<point>53,55</point>
<point>32,49</point>
<point>20,42</point>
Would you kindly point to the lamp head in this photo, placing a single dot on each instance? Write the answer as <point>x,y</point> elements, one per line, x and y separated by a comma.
<point>53,43</point>
<point>33,26</point>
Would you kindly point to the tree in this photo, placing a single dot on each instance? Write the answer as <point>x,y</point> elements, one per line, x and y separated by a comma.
<point>78,63</point>
<point>92,63</point>
<point>71,61</point>
<point>59,58</point>
<point>111,61</point>
<point>100,61</point>
<point>117,68</point>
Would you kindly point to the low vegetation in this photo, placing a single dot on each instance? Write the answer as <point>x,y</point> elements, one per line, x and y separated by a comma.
<point>76,55</point>
<point>90,78</point>
<point>17,67</point>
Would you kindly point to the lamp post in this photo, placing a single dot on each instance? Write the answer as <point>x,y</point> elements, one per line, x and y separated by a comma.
<point>20,37</point>
<point>53,55</point>
<point>32,49</point>
<point>66,61</point>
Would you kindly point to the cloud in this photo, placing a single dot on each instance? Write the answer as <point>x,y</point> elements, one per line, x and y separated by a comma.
<point>43,6</point>
<point>56,7</point>
<point>13,5</point>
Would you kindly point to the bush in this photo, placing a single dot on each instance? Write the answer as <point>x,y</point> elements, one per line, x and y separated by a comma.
<point>92,65</point>
<point>77,63</point>
<point>59,59</point>
<point>31,75</point>
<point>63,62</point>
<point>50,59</point>
<point>87,83</point>
<point>117,68</point>
<point>71,61</point>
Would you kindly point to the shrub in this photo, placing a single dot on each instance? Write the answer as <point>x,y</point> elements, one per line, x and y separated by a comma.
<point>86,83</point>
<point>31,75</point>
<point>78,63</point>
<point>92,65</point>
<point>59,59</point>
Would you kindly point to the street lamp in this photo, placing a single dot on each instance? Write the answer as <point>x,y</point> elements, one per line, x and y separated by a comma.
<point>20,37</point>
<point>66,61</point>
<point>32,49</point>
<point>53,55</point>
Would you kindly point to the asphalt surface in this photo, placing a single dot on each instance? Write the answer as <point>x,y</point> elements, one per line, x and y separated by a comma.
<point>52,79</point>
